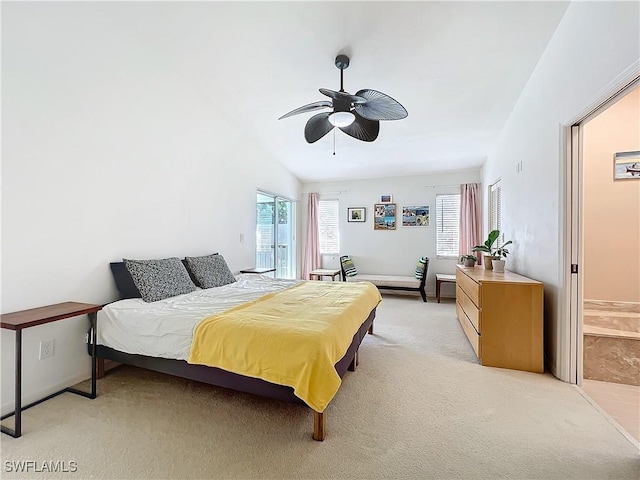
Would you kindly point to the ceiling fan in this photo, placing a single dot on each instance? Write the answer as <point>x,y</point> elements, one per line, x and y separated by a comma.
<point>356,115</point>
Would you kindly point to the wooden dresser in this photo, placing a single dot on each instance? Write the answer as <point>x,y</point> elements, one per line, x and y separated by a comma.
<point>501,314</point>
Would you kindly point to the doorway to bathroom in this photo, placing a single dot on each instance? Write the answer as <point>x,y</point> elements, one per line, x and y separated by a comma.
<point>605,252</point>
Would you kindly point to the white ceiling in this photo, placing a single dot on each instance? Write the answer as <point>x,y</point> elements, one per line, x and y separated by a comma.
<point>457,67</point>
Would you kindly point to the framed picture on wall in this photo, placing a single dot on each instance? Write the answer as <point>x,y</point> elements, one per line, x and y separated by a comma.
<point>388,198</point>
<point>626,166</point>
<point>415,216</point>
<point>384,216</point>
<point>356,214</point>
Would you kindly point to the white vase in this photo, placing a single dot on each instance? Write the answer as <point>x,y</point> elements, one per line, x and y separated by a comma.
<point>498,265</point>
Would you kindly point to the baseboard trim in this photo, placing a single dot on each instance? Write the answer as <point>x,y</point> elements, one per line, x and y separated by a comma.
<point>8,407</point>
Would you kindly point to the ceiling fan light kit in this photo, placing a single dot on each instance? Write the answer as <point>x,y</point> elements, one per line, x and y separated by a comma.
<point>341,119</point>
<point>356,115</point>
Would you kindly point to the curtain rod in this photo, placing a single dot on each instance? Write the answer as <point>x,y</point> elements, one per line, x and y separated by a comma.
<point>436,186</point>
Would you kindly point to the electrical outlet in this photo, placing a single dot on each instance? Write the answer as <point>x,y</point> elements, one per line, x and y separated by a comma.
<point>47,349</point>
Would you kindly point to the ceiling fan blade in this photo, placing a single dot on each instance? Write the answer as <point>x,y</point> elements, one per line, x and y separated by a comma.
<point>362,129</point>
<point>379,106</point>
<point>308,108</point>
<point>317,127</point>
<point>342,96</point>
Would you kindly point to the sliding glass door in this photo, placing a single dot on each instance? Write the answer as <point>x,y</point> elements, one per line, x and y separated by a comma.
<point>265,231</point>
<point>275,234</point>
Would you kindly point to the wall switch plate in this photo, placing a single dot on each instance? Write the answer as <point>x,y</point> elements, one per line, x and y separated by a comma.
<point>47,349</point>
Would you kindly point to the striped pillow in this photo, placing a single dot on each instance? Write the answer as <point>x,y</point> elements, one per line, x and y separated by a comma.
<point>348,267</point>
<point>420,268</point>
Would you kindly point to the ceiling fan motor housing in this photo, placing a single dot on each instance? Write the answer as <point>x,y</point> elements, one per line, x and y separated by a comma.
<point>341,105</point>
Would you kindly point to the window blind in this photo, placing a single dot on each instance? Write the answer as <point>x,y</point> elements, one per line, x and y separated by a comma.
<point>328,226</point>
<point>495,207</point>
<point>447,225</point>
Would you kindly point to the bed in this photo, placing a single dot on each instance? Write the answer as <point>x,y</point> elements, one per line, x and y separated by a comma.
<point>168,336</point>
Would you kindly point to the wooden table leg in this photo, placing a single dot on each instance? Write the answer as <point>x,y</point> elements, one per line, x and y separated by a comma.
<point>438,282</point>
<point>319,426</point>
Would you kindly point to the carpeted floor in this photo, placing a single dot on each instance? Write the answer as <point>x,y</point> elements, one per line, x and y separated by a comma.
<point>419,406</point>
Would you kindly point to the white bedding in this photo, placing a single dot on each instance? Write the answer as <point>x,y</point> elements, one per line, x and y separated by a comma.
<point>165,328</point>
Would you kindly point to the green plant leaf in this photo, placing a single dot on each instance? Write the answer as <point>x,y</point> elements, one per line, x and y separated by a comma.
<point>493,236</point>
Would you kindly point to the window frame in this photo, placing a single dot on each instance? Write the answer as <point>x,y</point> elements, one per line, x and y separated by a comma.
<point>443,254</point>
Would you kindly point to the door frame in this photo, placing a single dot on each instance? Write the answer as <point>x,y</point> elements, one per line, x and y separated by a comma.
<point>294,232</point>
<point>572,253</point>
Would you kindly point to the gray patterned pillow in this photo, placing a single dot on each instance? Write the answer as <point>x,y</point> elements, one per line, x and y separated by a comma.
<point>210,271</point>
<point>160,279</point>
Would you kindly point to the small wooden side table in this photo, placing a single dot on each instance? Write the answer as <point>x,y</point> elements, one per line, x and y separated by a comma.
<point>443,278</point>
<point>18,321</point>
<point>323,272</point>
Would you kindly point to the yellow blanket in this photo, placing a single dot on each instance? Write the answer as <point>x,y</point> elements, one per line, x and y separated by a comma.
<point>292,338</point>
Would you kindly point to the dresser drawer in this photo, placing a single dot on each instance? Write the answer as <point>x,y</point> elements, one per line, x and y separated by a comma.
<point>469,331</point>
<point>469,308</point>
<point>469,286</point>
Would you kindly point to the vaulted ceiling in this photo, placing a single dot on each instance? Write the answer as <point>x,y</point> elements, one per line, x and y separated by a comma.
<point>457,67</point>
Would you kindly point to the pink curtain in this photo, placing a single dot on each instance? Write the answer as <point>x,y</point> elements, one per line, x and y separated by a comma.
<point>470,219</point>
<point>312,248</point>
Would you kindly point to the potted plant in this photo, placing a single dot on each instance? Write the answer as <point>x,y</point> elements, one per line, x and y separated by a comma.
<point>500,257</point>
<point>469,260</point>
<point>487,248</point>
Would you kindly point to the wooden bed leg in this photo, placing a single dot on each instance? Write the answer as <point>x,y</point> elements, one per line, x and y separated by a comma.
<point>100,370</point>
<point>319,426</point>
<point>354,362</point>
<point>371,329</point>
<point>357,357</point>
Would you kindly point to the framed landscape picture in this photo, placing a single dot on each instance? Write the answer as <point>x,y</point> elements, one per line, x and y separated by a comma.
<point>356,214</point>
<point>384,216</point>
<point>387,198</point>
<point>626,165</point>
<point>415,216</point>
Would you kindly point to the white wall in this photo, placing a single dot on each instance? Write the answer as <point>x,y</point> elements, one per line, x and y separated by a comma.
<point>390,252</point>
<point>108,152</point>
<point>595,43</point>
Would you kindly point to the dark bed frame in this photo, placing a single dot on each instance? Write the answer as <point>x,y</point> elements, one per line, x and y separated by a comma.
<point>223,378</point>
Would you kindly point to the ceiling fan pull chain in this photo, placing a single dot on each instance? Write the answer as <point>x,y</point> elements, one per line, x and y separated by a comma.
<point>334,141</point>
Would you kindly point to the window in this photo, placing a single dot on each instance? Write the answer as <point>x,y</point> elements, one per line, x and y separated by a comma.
<point>328,226</point>
<point>495,208</point>
<point>447,225</point>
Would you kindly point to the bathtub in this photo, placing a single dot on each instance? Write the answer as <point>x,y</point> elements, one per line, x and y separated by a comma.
<point>611,341</point>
